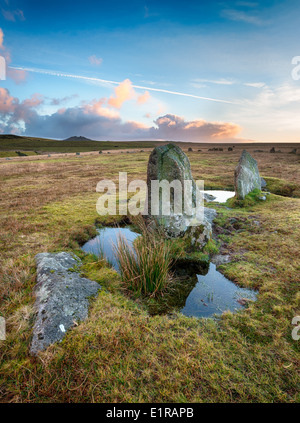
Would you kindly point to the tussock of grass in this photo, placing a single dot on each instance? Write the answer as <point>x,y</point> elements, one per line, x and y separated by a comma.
<point>145,266</point>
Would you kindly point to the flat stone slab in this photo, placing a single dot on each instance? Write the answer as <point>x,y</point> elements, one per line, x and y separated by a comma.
<point>62,298</point>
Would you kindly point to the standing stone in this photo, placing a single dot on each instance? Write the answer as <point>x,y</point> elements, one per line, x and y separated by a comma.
<point>62,298</point>
<point>169,163</point>
<point>246,176</point>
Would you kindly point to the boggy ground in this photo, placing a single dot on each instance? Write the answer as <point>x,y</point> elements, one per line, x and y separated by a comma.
<point>121,353</point>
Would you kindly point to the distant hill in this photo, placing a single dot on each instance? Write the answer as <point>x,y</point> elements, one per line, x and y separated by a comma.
<point>13,143</point>
<point>80,138</point>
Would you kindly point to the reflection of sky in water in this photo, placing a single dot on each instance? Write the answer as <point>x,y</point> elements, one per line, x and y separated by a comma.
<point>213,293</point>
<point>221,196</point>
<point>105,240</point>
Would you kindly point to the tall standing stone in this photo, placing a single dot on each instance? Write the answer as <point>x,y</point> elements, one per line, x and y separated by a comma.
<point>246,176</point>
<point>170,163</point>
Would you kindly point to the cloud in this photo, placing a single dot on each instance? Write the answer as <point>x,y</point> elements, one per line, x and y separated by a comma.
<point>13,15</point>
<point>99,122</point>
<point>241,16</point>
<point>247,4</point>
<point>221,81</point>
<point>255,84</point>
<point>17,75</point>
<point>1,39</point>
<point>94,60</point>
<point>123,92</point>
<point>108,82</point>
<point>14,115</point>
<point>57,101</point>
<point>176,128</point>
<point>7,102</point>
<point>143,98</point>
<point>34,101</point>
<point>97,108</point>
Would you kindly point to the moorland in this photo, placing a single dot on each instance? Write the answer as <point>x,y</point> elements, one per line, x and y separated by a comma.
<point>121,353</point>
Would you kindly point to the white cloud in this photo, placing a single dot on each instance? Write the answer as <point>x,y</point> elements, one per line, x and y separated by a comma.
<point>255,84</point>
<point>222,81</point>
<point>241,16</point>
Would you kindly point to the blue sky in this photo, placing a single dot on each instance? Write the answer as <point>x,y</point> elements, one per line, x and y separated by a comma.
<point>210,71</point>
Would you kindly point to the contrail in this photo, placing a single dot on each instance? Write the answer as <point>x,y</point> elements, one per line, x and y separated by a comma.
<point>105,81</point>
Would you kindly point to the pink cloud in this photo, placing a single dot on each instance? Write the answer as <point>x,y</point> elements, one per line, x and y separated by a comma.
<point>8,103</point>
<point>143,98</point>
<point>94,60</point>
<point>15,74</point>
<point>13,15</point>
<point>96,121</point>
<point>96,108</point>
<point>123,92</point>
<point>1,39</point>
<point>176,128</point>
<point>34,101</point>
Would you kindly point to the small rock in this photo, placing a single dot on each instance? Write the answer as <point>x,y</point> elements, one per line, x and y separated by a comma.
<point>263,183</point>
<point>219,259</point>
<point>208,197</point>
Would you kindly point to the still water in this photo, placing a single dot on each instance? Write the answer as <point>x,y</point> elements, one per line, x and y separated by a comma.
<point>200,295</point>
<point>213,293</point>
<point>220,196</point>
<point>103,243</point>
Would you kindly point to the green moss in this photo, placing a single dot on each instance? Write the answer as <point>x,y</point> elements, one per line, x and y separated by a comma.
<point>250,199</point>
<point>282,187</point>
<point>98,270</point>
<point>211,247</point>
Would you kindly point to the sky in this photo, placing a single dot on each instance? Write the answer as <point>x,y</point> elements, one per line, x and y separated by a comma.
<point>197,71</point>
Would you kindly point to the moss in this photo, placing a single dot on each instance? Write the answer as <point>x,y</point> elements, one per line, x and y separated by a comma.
<point>250,199</point>
<point>98,270</point>
<point>282,187</point>
<point>211,247</point>
<point>82,235</point>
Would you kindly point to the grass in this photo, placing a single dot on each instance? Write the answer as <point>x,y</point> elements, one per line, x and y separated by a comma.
<point>12,142</point>
<point>145,266</point>
<point>250,199</point>
<point>121,353</point>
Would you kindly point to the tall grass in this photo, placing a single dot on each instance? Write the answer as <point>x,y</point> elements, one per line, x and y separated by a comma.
<point>145,265</point>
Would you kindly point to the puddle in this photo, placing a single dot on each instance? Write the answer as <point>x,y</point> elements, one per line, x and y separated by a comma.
<point>103,243</point>
<point>199,292</point>
<point>214,294</point>
<point>220,196</point>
